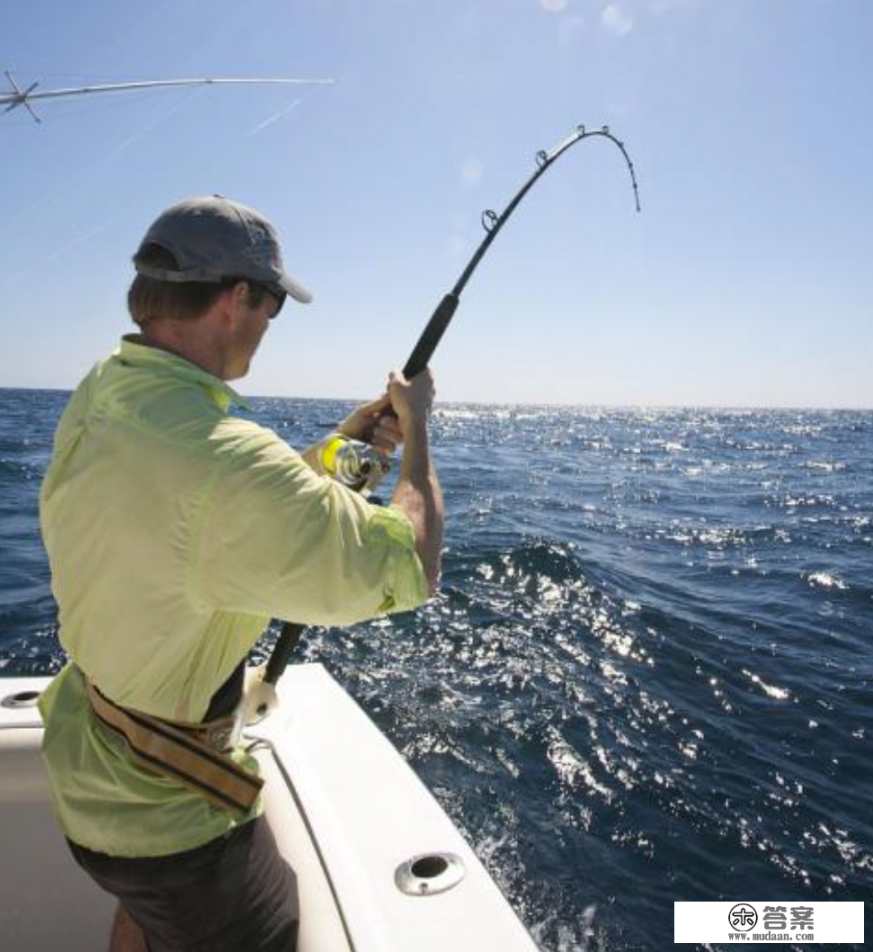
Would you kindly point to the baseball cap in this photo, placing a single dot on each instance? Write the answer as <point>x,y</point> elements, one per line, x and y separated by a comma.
<point>213,239</point>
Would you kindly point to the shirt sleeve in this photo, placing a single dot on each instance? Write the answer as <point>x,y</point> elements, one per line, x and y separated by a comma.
<point>276,539</point>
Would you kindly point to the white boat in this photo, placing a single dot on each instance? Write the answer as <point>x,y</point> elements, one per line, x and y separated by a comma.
<point>380,866</point>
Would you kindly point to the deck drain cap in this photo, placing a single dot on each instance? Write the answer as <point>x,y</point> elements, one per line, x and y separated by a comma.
<point>429,874</point>
<point>21,699</point>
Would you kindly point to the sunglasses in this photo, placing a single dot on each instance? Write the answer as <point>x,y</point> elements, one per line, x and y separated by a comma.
<point>277,293</point>
<point>274,290</point>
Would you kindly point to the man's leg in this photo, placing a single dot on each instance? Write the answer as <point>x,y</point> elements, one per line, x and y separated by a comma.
<point>126,934</point>
<point>235,894</point>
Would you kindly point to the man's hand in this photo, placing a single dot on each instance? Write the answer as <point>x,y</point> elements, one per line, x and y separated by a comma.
<point>412,400</point>
<point>375,424</point>
<point>400,416</point>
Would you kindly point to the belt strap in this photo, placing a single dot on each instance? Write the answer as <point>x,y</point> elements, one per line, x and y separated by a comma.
<point>166,749</point>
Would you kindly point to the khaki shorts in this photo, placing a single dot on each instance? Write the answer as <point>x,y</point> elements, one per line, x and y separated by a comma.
<point>234,893</point>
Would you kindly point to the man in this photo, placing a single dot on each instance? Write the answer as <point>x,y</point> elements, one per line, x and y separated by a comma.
<point>175,531</point>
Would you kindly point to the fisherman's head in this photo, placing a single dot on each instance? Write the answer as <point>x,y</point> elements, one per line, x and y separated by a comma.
<point>210,277</point>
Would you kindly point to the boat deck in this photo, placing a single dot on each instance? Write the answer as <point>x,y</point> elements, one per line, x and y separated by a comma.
<point>380,866</point>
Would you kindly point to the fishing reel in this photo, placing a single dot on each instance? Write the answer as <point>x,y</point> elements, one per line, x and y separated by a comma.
<point>353,463</point>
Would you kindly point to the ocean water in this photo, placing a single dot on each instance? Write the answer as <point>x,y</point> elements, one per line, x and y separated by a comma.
<point>647,676</point>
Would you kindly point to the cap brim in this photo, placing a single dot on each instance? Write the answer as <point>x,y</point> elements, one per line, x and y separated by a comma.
<point>295,289</point>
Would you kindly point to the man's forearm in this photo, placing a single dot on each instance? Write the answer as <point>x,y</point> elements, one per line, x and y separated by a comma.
<point>418,495</point>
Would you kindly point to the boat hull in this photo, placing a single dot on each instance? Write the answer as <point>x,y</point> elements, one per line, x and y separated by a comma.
<point>379,864</point>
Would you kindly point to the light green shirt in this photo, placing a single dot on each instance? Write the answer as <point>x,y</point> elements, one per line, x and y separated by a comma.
<point>175,532</point>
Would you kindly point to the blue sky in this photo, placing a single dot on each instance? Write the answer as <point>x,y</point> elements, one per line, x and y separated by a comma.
<point>746,281</point>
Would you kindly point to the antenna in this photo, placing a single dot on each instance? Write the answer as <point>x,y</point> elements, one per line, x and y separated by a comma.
<point>24,97</point>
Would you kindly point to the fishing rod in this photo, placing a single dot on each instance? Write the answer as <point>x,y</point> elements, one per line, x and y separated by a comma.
<point>370,469</point>
<point>23,97</point>
<point>492,223</point>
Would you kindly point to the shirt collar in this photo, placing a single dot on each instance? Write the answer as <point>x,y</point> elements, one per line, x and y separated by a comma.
<point>135,352</point>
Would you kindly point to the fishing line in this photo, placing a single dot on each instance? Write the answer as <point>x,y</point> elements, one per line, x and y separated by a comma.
<point>299,100</point>
<point>59,253</point>
<point>100,165</point>
<point>153,124</point>
<point>439,322</point>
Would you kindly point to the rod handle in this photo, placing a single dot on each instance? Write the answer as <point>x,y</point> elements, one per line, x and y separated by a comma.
<point>431,336</point>
<point>287,642</point>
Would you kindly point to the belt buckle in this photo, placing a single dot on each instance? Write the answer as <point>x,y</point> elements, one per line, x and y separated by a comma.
<point>221,737</point>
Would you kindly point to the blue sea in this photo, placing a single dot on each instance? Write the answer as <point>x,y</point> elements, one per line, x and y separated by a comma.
<point>647,676</point>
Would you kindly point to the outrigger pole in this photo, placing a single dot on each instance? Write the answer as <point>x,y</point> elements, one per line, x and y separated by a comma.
<point>24,97</point>
<point>442,316</point>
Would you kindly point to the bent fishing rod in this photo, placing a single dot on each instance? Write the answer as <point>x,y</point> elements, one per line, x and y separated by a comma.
<point>368,461</point>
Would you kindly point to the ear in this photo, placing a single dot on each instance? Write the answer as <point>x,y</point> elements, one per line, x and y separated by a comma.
<point>236,302</point>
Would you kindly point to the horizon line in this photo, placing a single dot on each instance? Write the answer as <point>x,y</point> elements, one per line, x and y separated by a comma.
<point>724,408</point>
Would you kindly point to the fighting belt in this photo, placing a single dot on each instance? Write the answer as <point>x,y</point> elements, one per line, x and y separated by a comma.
<point>189,753</point>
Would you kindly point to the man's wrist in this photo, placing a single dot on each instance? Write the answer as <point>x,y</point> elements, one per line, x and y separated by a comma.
<point>414,429</point>
<point>416,452</point>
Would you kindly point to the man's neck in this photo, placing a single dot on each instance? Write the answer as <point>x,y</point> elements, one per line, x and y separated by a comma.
<point>186,340</point>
